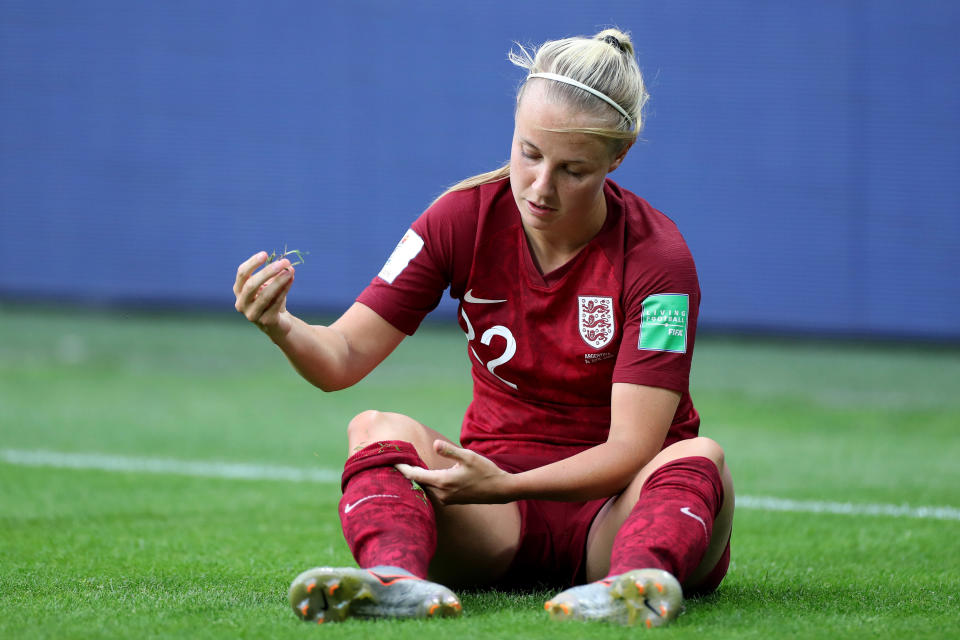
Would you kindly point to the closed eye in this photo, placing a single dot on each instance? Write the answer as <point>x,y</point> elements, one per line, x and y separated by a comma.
<point>529,152</point>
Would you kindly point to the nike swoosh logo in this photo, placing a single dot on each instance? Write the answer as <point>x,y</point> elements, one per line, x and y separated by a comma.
<point>468,297</point>
<point>686,511</point>
<point>350,507</point>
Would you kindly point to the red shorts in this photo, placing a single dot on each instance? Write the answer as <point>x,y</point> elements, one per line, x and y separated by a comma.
<point>553,535</point>
<point>553,539</point>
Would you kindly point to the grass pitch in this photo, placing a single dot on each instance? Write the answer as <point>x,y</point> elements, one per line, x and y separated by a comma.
<point>91,553</point>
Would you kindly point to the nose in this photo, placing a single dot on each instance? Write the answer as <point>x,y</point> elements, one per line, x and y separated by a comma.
<point>542,185</point>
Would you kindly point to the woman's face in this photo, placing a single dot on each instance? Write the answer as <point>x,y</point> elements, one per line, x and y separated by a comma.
<point>557,178</point>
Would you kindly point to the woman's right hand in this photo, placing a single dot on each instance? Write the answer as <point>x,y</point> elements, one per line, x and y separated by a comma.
<point>262,295</point>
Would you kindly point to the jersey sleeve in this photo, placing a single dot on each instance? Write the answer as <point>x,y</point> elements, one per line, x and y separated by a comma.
<point>433,253</point>
<point>661,305</point>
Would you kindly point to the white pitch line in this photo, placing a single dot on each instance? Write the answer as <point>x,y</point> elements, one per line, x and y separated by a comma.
<point>104,462</point>
<point>170,466</point>
<point>847,508</point>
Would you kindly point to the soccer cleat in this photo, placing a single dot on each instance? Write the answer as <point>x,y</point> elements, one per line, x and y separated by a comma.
<point>328,594</point>
<point>649,597</point>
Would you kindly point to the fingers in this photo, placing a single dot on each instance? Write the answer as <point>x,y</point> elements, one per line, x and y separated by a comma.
<point>272,299</point>
<point>471,480</point>
<point>409,472</point>
<point>246,268</point>
<point>264,290</point>
<point>437,478</point>
<point>434,479</point>
<point>451,451</point>
<point>245,283</point>
<point>427,479</point>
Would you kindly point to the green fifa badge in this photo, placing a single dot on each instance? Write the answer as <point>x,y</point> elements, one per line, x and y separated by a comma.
<point>663,326</point>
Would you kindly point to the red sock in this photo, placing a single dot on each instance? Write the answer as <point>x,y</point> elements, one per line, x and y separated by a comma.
<point>670,526</point>
<point>387,520</point>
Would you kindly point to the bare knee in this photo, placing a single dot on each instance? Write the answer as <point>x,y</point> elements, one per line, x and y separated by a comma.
<point>376,426</point>
<point>708,449</point>
<point>699,446</point>
<point>693,447</point>
<point>372,425</point>
<point>361,426</point>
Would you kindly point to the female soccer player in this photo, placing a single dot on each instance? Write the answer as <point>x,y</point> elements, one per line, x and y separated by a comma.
<point>579,461</point>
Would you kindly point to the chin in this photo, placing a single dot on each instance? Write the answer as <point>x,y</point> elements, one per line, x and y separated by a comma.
<point>535,222</point>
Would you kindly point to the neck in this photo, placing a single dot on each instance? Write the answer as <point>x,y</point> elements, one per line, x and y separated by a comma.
<point>553,248</point>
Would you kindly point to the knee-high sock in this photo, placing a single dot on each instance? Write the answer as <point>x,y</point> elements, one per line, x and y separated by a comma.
<point>387,519</point>
<point>670,526</point>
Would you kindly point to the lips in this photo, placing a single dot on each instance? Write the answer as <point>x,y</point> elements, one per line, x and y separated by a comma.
<point>539,210</point>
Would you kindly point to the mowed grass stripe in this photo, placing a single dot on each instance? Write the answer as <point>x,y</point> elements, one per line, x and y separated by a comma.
<point>246,471</point>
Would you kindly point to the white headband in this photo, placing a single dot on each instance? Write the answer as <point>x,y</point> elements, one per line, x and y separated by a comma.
<point>580,85</point>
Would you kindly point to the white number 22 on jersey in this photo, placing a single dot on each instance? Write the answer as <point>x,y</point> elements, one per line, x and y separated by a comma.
<point>486,338</point>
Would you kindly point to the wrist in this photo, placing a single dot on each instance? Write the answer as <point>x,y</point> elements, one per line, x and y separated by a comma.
<point>278,331</point>
<point>507,487</point>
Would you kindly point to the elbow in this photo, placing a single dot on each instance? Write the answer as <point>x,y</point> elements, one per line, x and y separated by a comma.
<point>327,386</point>
<point>336,383</point>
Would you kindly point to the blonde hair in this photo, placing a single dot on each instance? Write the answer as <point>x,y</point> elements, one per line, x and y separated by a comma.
<point>605,62</point>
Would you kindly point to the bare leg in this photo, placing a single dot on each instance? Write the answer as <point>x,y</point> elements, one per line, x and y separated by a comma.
<point>476,542</point>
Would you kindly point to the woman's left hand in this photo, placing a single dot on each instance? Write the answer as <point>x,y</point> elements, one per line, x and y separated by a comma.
<point>473,479</point>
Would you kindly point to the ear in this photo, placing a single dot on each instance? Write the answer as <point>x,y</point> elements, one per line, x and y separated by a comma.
<point>619,157</point>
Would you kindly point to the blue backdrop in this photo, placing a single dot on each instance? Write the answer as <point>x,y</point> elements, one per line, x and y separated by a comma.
<point>810,152</point>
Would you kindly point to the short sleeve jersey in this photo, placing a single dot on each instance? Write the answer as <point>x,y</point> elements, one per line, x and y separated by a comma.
<point>546,349</point>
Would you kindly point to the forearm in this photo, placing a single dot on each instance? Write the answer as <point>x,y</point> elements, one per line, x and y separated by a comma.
<point>640,418</point>
<point>598,472</point>
<point>320,354</point>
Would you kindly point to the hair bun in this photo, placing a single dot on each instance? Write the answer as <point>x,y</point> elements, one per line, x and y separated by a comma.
<point>614,41</point>
<point>616,38</point>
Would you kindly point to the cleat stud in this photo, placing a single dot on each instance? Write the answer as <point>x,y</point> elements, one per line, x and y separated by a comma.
<point>311,585</point>
<point>565,608</point>
<point>547,605</point>
<point>658,586</point>
<point>433,609</point>
<point>304,608</point>
<point>334,587</point>
<point>649,624</point>
<point>663,610</point>
<point>640,588</point>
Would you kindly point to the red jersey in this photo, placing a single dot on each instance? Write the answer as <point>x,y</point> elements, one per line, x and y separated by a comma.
<point>545,349</point>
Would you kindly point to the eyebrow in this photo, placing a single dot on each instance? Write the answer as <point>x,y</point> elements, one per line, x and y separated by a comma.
<point>569,161</point>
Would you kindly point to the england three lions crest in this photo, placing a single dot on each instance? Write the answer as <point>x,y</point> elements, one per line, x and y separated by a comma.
<point>596,320</point>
